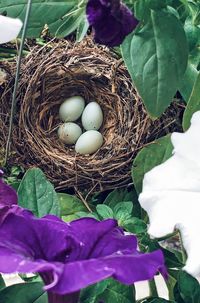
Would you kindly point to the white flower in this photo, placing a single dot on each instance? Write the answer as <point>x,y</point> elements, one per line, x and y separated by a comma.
<point>171,194</point>
<point>9,29</point>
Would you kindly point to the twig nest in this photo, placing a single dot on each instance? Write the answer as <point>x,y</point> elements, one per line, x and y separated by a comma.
<point>54,73</point>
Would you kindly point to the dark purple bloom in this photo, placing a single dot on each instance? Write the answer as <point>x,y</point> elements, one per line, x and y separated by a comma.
<point>111,20</point>
<point>71,256</point>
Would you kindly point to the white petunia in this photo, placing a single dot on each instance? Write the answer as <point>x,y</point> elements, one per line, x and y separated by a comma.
<point>9,28</point>
<point>171,194</point>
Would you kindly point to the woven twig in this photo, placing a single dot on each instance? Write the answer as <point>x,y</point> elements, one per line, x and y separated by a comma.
<point>49,76</point>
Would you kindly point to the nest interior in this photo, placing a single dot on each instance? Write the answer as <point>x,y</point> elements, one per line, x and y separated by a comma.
<point>53,73</point>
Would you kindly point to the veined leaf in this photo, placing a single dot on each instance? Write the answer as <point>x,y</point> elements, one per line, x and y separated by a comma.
<point>156,57</point>
<point>23,293</point>
<point>150,156</point>
<point>61,16</point>
<point>37,194</point>
<point>193,104</point>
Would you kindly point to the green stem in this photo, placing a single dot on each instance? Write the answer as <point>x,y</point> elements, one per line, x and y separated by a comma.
<point>153,288</point>
<point>13,105</point>
<point>12,51</point>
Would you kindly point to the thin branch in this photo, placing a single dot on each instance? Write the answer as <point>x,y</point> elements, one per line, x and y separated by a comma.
<point>13,105</point>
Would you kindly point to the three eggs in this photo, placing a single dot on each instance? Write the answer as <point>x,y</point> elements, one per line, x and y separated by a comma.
<point>91,117</point>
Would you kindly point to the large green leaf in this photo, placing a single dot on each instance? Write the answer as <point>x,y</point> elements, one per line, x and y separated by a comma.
<point>118,293</point>
<point>23,293</point>
<point>89,294</point>
<point>2,283</point>
<point>150,156</point>
<point>188,81</point>
<point>193,104</point>
<point>187,289</point>
<point>82,28</point>
<point>70,206</point>
<point>191,74</point>
<point>61,16</point>
<point>156,57</point>
<point>37,194</point>
<point>124,195</point>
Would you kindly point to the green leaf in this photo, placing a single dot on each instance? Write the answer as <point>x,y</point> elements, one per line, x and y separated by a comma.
<point>104,211</point>
<point>23,293</point>
<point>135,226</point>
<point>150,156</point>
<point>2,283</point>
<point>123,207</point>
<point>191,74</point>
<point>171,282</point>
<point>193,104</point>
<point>82,29</point>
<point>173,259</point>
<point>192,33</point>
<point>188,288</point>
<point>70,22</point>
<point>83,214</point>
<point>141,10</point>
<point>89,294</point>
<point>124,195</point>
<point>37,194</point>
<point>158,69</point>
<point>61,16</point>
<point>188,81</point>
<point>118,293</point>
<point>122,212</point>
<point>70,205</point>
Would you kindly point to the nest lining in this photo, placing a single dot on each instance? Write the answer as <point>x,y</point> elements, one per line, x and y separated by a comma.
<point>48,77</point>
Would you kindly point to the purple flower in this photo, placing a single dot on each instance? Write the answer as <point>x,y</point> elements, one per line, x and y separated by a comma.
<point>111,20</point>
<point>71,256</point>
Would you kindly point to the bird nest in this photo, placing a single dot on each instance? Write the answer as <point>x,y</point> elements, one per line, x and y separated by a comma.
<point>53,73</point>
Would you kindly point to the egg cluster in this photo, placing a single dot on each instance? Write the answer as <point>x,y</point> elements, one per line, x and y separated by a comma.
<point>91,118</point>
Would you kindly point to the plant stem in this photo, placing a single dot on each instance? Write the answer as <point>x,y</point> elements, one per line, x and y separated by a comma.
<point>13,105</point>
<point>153,288</point>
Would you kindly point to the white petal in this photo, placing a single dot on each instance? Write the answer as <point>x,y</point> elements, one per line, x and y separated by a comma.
<point>171,194</point>
<point>9,29</point>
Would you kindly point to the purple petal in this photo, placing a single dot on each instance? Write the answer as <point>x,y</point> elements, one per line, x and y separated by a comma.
<point>88,233</point>
<point>74,255</point>
<point>14,209</point>
<point>127,269</point>
<point>80,274</point>
<point>139,267</point>
<point>114,242</point>
<point>34,238</point>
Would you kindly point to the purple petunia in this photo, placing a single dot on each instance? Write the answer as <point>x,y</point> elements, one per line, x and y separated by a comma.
<point>71,256</point>
<point>112,21</point>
